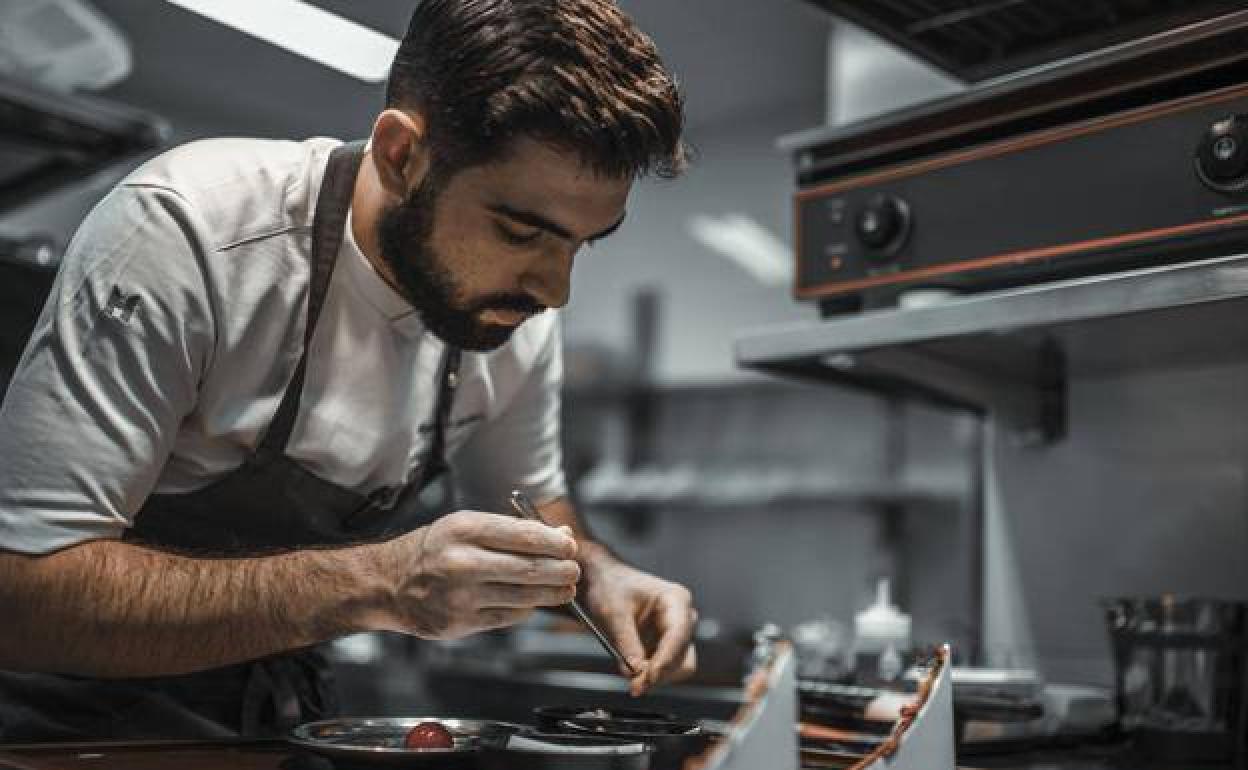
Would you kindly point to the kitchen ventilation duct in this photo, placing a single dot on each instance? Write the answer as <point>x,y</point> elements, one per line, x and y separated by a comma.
<point>979,39</point>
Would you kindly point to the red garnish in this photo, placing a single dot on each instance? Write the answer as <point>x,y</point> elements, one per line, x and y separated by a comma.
<point>429,735</point>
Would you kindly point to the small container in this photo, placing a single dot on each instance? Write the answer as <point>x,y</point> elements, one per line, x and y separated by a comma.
<point>881,638</point>
<point>820,646</point>
<point>1182,678</point>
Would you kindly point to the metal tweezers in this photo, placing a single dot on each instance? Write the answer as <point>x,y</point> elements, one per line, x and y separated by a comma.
<point>520,501</point>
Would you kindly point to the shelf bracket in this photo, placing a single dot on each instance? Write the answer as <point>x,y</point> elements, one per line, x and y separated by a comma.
<point>1024,389</point>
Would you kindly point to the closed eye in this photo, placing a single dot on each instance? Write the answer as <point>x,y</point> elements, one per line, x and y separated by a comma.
<point>517,237</point>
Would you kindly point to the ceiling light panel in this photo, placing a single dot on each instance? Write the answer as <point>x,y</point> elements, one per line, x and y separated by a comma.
<point>306,30</point>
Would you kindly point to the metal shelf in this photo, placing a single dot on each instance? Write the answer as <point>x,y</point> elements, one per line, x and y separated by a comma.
<point>672,487</point>
<point>1009,353</point>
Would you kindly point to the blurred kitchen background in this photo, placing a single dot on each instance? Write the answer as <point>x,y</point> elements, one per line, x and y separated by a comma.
<point>776,500</point>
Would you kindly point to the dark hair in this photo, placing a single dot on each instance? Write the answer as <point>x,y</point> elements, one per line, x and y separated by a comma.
<point>577,74</point>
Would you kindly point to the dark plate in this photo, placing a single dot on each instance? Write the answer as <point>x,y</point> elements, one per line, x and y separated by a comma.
<point>673,739</point>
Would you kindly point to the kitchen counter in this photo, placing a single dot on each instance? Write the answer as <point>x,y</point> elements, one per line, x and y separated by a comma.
<point>278,755</point>
<point>1091,758</point>
<point>1052,763</point>
<point>160,755</point>
<point>1044,762</point>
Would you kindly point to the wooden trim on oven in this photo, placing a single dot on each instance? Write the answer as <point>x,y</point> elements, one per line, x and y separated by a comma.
<point>1019,257</point>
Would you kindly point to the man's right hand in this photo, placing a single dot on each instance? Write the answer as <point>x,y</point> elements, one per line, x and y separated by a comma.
<point>116,609</point>
<point>472,571</point>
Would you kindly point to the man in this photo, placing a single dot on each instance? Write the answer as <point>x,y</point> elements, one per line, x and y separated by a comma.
<point>257,353</point>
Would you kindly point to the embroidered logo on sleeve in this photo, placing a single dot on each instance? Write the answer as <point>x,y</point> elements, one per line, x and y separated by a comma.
<point>121,307</point>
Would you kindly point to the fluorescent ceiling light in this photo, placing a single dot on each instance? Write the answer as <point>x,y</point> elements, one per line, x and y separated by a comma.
<point>304,29</point>
<point>747,243</point>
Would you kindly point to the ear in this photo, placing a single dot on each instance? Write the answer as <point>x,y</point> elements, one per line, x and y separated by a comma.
<point>400,152</point>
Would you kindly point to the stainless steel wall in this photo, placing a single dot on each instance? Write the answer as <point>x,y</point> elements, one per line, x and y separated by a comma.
<point>1147,494</point>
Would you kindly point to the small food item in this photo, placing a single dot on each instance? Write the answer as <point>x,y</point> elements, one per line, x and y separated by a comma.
<point>429,735</point>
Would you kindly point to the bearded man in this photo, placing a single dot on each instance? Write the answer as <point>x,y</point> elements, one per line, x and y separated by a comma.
<point>258,353</point>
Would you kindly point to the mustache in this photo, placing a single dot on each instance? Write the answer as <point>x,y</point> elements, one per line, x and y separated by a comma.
<point>519,303</point>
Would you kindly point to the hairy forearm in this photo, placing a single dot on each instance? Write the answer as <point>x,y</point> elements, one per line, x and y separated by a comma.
<point>113,609</point>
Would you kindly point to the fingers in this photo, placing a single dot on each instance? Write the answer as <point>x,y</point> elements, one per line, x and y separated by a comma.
<point>622,628</point>
<point>497,567</point>
<point>504,595</point>
<point>637,686</point>
<point>474,571</point>
<point>511,535</point>
<point>676,625</point>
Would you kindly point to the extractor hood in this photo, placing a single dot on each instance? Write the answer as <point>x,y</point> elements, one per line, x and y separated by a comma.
<point>50,139</point>
<point>979,39</point>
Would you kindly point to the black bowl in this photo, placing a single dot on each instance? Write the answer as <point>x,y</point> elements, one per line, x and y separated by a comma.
<point>673,739</point>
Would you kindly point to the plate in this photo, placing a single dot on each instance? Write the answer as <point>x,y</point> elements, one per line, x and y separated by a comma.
<point>532,750</point>
<point>370,741</point>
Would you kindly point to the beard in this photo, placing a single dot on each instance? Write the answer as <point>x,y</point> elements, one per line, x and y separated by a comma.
<point>406,234</point>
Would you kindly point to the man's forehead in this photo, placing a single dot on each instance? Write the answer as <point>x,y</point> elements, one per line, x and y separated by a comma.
<point>527,151</point>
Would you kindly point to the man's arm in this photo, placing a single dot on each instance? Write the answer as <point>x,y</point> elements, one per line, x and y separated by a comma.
<point>88,422</point>
<point>651,620</point>
<point>110,608</point>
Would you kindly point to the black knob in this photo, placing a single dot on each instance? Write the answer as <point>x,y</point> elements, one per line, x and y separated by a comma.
<point>1222,158</point>
<point>883,223</point>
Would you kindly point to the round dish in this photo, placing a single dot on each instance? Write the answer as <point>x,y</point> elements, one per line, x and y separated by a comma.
<point>378,741</point>
<point>532,750</point>
<point>673,739</point>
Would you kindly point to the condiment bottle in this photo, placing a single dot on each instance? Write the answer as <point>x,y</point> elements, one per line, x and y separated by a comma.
<point>881,637</point>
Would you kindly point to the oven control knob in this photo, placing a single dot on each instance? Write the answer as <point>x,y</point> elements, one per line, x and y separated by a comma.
<point>883,224</point>
<point>1222,158</point>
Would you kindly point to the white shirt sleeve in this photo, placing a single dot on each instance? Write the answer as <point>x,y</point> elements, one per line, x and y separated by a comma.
<point>521,447</point>
<point>109,373</point>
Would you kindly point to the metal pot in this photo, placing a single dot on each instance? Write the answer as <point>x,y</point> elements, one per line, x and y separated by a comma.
<point>1181,677</point>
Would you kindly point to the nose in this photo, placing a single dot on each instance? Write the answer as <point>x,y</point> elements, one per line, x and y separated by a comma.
<point>549,278</point>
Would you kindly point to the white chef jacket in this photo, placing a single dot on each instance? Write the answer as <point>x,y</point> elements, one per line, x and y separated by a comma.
<point>175,324</point>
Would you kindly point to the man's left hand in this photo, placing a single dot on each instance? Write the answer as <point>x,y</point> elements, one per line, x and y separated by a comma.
<point>651,620</point>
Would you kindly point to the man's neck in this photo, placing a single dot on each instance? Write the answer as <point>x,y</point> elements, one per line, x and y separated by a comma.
<point>367,205</point>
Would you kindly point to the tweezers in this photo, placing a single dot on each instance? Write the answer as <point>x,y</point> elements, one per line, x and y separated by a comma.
<point>520,501</point>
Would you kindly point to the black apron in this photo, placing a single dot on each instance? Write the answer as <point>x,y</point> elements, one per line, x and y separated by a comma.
<point>269,504</point>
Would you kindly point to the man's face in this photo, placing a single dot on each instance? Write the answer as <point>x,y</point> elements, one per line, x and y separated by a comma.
<point>480,253</point>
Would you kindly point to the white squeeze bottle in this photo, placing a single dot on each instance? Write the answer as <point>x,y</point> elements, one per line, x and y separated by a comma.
<point>881,636</point>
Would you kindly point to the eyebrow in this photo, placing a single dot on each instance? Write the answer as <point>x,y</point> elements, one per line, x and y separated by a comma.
<point>533,219</point>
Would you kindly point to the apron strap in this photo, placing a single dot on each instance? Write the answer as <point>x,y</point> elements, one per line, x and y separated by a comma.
<point>332,206</point>
<point>435,462</point>
<point>386,499</point>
